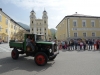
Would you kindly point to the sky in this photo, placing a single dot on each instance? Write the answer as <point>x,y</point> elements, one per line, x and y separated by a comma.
<point>19,10</point>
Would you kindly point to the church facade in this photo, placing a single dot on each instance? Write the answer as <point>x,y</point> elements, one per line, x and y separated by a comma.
<point>39,26</point>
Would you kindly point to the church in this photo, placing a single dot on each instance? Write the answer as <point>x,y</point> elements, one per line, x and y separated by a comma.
<point>39,26</point>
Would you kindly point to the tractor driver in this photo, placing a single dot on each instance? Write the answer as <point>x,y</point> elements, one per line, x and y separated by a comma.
<point>28,42</point>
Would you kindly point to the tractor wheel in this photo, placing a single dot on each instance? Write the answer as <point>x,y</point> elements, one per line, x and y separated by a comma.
<point>52,58</point>
<point>15,54</point>
<point>41,59</point>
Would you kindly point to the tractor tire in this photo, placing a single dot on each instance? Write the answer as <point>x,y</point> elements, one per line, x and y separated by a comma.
<point>41,59</point>
<point>15,54</point>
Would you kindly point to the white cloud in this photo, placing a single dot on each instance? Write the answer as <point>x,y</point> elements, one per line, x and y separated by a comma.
<point>57,9</point>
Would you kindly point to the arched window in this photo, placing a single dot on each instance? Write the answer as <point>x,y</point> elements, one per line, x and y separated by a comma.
<point>32,21</point>
<point>44,21</point>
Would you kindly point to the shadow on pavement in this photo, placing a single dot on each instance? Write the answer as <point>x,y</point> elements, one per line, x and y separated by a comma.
<point>23,63</point>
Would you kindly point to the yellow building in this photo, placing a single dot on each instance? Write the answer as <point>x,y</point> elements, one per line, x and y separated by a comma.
<point>8,27</point>
<point>78,26</point>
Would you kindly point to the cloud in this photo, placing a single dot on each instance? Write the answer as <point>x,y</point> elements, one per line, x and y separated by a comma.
<point>57,9</point>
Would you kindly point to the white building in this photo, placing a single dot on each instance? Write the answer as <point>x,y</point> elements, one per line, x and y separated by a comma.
<point>39,26</point>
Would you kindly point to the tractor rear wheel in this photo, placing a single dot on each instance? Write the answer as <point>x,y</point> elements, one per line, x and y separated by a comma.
<point>15,54</point>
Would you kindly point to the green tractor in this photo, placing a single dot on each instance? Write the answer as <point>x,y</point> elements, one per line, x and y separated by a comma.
<point>42,53</point>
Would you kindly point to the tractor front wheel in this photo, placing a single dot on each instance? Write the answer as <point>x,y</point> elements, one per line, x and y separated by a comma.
<point>41,59</point>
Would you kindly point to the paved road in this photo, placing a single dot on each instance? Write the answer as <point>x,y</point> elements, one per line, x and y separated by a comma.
<point>5,48</point>
<point>66,63</point>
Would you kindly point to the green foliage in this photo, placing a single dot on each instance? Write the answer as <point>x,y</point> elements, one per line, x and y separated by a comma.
<point>53,33</point>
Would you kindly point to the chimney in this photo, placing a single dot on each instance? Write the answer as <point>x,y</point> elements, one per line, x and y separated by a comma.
<point>0,9</point>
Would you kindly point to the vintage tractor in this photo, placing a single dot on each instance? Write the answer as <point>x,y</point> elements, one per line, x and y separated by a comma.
<point>42,53</point>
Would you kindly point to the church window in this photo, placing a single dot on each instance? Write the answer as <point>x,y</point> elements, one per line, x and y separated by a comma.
<point>32,21</point>
<point>45,28</point>
<point>44,21</point>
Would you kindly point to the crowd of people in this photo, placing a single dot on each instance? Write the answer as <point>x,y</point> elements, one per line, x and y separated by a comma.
<point>79,44</point>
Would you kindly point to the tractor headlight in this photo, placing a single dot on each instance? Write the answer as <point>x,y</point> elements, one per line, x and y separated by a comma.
<point>50,50</point>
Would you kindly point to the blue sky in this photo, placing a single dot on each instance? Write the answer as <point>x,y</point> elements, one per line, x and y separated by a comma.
<point>19,10</point>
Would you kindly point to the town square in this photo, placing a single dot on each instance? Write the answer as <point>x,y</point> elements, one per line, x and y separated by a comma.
<point>49,37</point>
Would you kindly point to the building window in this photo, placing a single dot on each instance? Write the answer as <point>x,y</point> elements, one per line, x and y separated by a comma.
<point>6,30</point>
<point>84,34</point>
<point>40,23</point>
<point>37,29</point>
<point>11,33</point>
<point>32,22</point>
<point>93,34</point>
<point>11,26</point>
<point>92,23</point>
<point>14,33</point>
<point>45,28</point>
<point>84,23</point>
<point>0,28</point>
<point>40,29</point>
<point>6,21</point>
<point>44,21</point>
<point>14,27</point>
<point>40,32</point>
<point>45,33</point>
<point>0,18</point>
<point>75,34</point>
<point>32,29</point>
<point>74,23</point>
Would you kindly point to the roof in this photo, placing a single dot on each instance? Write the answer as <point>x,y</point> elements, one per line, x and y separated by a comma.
<point>4,13</point>
<point>79,15</point>
<point>32,11</point>
<point>26,27</point>
<point>44,11</point>
<point>82,15</point>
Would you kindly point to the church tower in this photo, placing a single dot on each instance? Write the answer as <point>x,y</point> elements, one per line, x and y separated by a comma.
<point>32,22</point>
<point>45,21</point>
<point>39,26</point>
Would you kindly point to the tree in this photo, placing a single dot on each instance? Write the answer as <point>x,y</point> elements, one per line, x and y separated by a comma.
<point>20,35</point>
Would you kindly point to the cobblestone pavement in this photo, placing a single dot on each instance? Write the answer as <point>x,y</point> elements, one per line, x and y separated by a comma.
<point>66,63</point>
